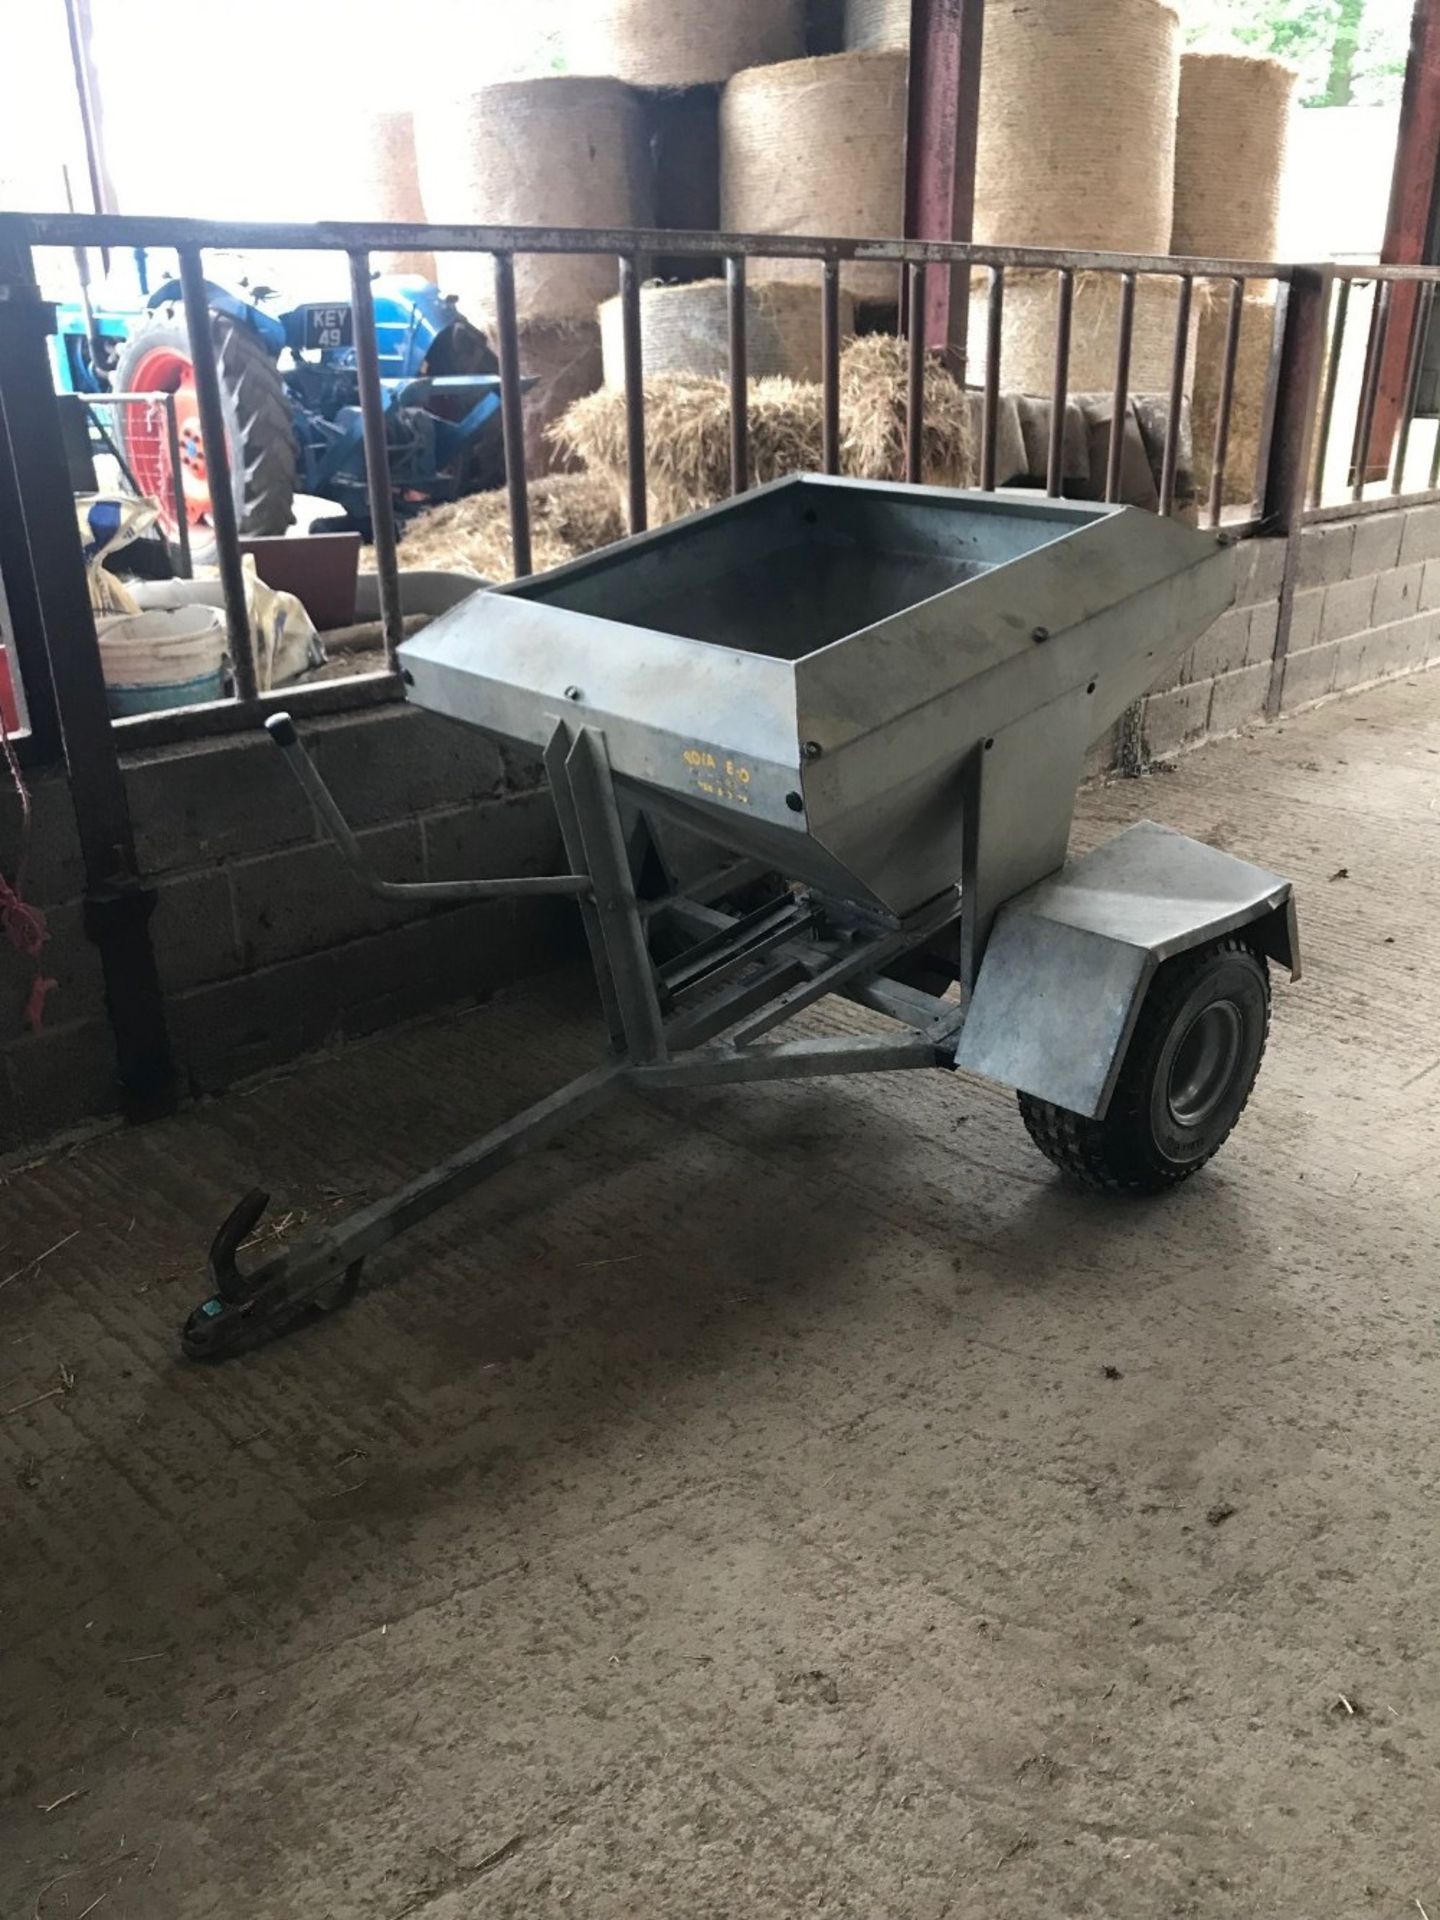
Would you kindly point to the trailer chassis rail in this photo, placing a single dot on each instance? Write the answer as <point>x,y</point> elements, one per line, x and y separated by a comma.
<point>699,1021</point>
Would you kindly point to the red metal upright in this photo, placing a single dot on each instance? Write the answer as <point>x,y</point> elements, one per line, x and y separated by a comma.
<point>1407,228</point>
<point>946,48</point>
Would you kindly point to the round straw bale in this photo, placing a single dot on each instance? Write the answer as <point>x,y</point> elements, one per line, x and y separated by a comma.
<point>561,151</point>
<point>1077,125</point>
<point>1247,407</point>
<point>1231,135</point>
<point>877,23</point>
<point>682,43</point>
<point>1027,348</point>
<point>570,514</point>
<point>685,329</point>
<point>688,429</point>
<point>817,147</point>
<point>387,186</point>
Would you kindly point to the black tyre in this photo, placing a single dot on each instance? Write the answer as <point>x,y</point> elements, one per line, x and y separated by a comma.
<point>258,432</point>
<point>1191,1064</point>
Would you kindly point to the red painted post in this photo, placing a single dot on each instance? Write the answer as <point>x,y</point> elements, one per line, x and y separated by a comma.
<point>946,47</point>
<point>1407,229</point>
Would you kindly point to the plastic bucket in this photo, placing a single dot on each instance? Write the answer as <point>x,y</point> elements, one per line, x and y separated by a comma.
<point>9,705</point>
<point>162,659</point>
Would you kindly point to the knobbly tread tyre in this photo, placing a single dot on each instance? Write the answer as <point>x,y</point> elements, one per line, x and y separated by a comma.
<point>258,431</point>
<point>1118,1154</point>
<point>260,428</point>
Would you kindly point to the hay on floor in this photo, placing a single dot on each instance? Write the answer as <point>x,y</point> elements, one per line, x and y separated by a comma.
<point>570,514</point>
<point>687,421</point>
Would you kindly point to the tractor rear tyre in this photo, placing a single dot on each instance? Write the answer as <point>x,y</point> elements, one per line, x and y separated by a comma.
<point>1187,1076</point>
<point>258,434</point>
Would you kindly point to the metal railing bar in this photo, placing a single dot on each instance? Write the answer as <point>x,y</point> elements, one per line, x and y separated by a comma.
<point>1360,509</point>
<point>830,365</point>
<point>82,229</point>
<point>377,454</point>
<point>637,507</point>
<point>223,515</point>
<point>1370,393</point>
<point>1120,414</point>
<point>739,369</point>
<point>216,720</point>
<point>1414,367</point>
<point>1225,411</point>
<point>166,404</point>
<point>1332,384</point>
<point>994,346</point>
<point>915,380</point>
<point>177,482</point>
<point>1170,460</point>
<point>1060,390</point>
<point>512,414</point>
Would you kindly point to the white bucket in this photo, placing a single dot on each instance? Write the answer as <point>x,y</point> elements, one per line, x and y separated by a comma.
<point>162,659</point>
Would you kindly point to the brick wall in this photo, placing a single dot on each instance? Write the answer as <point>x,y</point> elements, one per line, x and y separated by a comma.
<point>266,945</point>
<point>267,948</point>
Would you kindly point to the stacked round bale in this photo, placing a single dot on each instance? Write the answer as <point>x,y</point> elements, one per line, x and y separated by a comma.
<point>1076,150</point>
<point>562,151</point>
<point>387,186</point>
<point>817,146</point>
<point>680,53</point>
<point>683,43</point>
<point>1231,140</point>
<point>686,329</point>
<point>688,429</point>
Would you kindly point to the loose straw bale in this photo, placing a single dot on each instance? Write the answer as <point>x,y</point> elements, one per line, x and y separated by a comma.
<point>570,514</point>
<point>874,374</point>
<point>685,329</point>
<point>688,429</point>
<point>682,43</point>
<point>1231,136</point>
<point>872,24</point>
<point>1247,410</point>
<point>687,437</point>
<point>1027,351</point>
<point>387,186</point>
<point>817,147</point>
<point>1077,124</point>
<point>561,151</point>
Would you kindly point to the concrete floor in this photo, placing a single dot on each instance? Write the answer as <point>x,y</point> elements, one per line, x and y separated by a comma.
<point>768,1502</point>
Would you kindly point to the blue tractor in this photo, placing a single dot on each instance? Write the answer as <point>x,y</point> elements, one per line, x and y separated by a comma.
<point>290,394</point>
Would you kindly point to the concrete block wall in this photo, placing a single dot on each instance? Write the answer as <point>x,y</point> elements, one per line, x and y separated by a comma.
<point>1367,604</point>
<point>266,946</point>
<point>1223,681</point>
<point>1366,608</point>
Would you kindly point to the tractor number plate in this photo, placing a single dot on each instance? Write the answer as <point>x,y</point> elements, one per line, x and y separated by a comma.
<point>329,327</point>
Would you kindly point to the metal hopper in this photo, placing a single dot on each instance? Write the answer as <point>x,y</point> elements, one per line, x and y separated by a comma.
<point>807,674</point>
<point>874,703</point>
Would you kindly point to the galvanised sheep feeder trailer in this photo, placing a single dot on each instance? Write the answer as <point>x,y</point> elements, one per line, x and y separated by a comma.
<point>869,706</point>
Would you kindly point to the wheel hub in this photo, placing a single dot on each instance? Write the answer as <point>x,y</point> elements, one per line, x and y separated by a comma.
<point>1204,1063</point>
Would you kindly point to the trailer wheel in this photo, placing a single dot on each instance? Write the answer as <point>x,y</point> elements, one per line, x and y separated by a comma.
<point>1187,1076</point>
<point>258,433</point>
